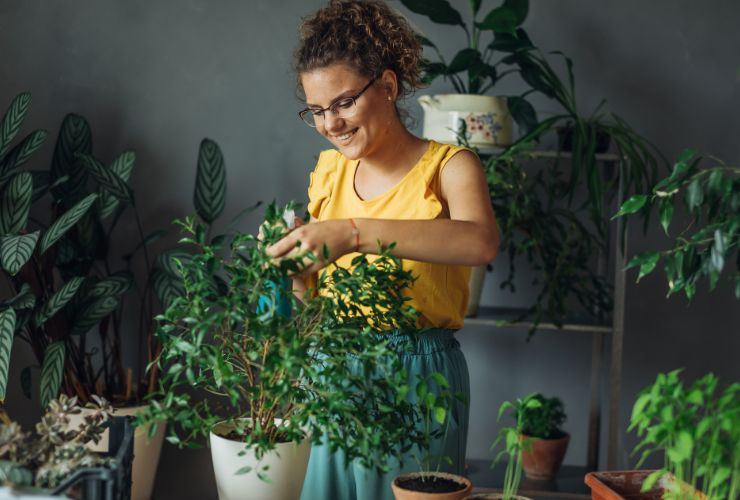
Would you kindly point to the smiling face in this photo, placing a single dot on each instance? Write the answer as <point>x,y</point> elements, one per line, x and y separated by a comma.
<point>361,134</point>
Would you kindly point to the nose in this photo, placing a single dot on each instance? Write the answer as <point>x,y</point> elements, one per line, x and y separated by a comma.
<point>332,122</point>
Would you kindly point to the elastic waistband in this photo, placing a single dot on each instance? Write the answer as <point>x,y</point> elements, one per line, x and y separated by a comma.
<point>422,342</point>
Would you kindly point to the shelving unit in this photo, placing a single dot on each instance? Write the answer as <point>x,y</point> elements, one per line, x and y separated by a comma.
<point>609,332</point>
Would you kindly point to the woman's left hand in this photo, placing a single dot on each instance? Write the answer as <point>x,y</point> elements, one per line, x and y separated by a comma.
<point>336,235</point>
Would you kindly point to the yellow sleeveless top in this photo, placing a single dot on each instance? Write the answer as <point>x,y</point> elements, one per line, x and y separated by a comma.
<point>440,292</point>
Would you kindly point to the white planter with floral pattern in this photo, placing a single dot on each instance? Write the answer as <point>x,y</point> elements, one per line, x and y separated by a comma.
<point>487,119</point>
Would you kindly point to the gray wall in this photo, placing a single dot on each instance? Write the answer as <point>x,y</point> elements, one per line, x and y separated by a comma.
<point>158,76</point>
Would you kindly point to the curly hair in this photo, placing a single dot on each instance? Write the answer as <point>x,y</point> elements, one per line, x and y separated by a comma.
<point>365,34</point>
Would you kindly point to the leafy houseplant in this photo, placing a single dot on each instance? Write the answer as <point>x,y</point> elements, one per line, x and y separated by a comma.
<point>489,118</point>
<point>435,401</point>
<point>513,444</point>
<point>711,197</point>
<point>542,428</point>
<point>322,371</point>
<point>48,457</point>
<point>695,428</point>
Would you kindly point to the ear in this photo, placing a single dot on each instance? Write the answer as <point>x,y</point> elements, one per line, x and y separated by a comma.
<point>389,83</point>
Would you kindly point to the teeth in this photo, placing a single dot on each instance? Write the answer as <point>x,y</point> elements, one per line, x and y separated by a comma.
<point>345,136</point>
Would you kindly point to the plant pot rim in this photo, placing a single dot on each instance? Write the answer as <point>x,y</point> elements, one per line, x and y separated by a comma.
<point>446,475</point>
<point>229,424</point>
<point>455,94</point>
<point>566,435</point>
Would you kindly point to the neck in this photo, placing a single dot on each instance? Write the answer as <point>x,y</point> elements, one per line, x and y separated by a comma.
<point>398,149</point>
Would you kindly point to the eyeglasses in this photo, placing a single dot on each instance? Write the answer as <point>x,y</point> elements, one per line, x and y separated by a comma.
<point>343,108</point>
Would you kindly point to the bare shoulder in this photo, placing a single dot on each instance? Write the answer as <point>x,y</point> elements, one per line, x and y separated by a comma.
<point>461,172</point>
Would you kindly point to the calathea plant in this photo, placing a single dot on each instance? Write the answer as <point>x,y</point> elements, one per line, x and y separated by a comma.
<point>322,366</point>
<point>711,239</point>
<point>502,26</point>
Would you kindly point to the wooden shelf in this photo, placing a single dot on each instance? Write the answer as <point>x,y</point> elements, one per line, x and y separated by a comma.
<point>551,154</point>
<point>495,316</point>
<point>568,483</point>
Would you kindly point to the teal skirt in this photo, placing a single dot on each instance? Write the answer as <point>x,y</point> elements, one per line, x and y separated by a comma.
<point>330,478</point>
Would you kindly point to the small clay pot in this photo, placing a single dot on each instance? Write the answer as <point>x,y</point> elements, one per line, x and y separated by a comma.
<point>545,456</point>
<point>404,494</point>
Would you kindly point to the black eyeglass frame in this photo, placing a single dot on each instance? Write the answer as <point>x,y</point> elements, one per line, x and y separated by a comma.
<point>314,112</point>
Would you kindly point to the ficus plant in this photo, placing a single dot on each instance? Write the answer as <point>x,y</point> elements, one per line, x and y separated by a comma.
<point>512,443</point>
<point>706,245</point>
<point>321,364</point>
<point>696,429</point>
<point>495,34</point>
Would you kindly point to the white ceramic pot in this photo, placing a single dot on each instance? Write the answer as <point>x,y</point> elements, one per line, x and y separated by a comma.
<point>146,452</point>
<point>477,277</point>
<point>287,468</point>
<point>489,123</point>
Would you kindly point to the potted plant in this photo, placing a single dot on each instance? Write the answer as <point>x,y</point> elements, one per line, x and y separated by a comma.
<point>278,378</point>
<point>695,428</point>
<point>434,399</point>
<point>542,429</point>
<point>512,447</point>
<point>488,118</point>
<point>710,197</point>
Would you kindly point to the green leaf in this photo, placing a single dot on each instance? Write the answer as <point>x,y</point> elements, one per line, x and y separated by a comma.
<point>507,42</point>
<point>243,470</point>
<point>7,330</point>
<point>112,286</point>
<point>463,60</point>
<point>13,120</point>
<point>475,6</point>
<point>93,313</point>
<point>66,221</point>
<point>523,113</point>
<point>210,182</point>
<point>21,153</point>
<point>520,9</point>
<point>122,166</point>
<point>651,479</point>
<point>16,250</point>
<point>74,137</point>
<point>167,288</point>
<point>682,448</point>
<point>632,205</point>
<point>501,19</point>
<point>16,203</point>
<point>440,414</point>
<point>647,262</point>
<point>108,180</point>
<point>694,195</point>
<point>721,475</point>
<point>24,300</point>
<point>166,261</point>
<point>424,40</point>
<point>666,213</point>
<point>58,300</point>
<point>52,371</point>
<point>439,11</point>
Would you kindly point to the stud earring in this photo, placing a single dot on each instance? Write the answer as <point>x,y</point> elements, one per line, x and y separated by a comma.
<point>389,98</point>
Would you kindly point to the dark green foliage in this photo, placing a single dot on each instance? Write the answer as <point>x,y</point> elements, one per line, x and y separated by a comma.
<point>7,329</point>
<point>225,336</point>
<point>711,239</point>
<point>544,421</point>
<point>210,182</point>
<point>52,371</point>
<point>697,430</point>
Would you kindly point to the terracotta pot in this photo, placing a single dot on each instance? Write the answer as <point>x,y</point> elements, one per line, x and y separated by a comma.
<point>404,494</point>
<point>543,460</point>
<point>617,485</point>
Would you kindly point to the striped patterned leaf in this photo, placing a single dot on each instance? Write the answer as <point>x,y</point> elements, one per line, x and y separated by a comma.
<point>210,182</point>
<point>16,250</point>
<point>93,313</point>
<point>74,137</point>
<point>57,301</point>
<point>21,153</point>
<point>166,261</point>
<point>52,371</point>
<point>15,203</point>
<point>114,285</point>
<point>7,329</point>
<point>108,180</point>
<point>26,381</point>
<point>66,221</point>
<point>13,120</point>
<point>166,288</point>
<point>25,299</point>
<point>121,166</point>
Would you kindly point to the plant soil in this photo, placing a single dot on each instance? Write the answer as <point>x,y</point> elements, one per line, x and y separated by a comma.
<point>431,484</point>
<point>235,436</point>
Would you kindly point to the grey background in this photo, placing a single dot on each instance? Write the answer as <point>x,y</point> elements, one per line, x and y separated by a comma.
<point>158,76</point>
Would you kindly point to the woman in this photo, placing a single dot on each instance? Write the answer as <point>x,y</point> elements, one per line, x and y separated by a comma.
<point>355,61</point>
